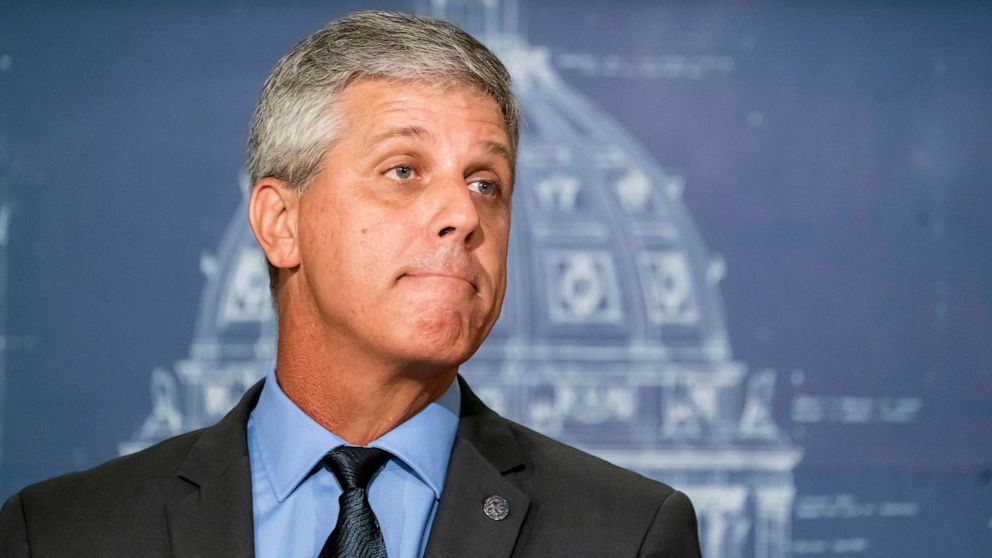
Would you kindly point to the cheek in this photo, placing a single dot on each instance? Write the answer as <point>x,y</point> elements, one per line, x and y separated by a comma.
<point>494,258</point>
<point>330,249</point>
<point>369,252</point>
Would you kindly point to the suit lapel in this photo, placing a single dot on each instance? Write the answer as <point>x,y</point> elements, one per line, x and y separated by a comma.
<point>483,453</point>
<point>211,515</point>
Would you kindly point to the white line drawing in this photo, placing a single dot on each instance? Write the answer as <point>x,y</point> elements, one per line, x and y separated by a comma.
<point>612,336</point>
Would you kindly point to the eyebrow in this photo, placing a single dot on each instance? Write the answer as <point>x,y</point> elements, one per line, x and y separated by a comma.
<point>501,150</point>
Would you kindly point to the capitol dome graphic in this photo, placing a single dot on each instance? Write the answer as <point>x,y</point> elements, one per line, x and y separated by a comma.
<point>612,336</point>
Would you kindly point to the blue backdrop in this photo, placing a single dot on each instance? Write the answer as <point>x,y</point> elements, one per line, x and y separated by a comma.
<point>803,199</point>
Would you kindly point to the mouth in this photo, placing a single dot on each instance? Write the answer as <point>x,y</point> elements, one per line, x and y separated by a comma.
<point>440,275</point>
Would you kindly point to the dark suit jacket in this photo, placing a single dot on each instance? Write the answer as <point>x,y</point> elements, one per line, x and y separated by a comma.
<point>191,496</point>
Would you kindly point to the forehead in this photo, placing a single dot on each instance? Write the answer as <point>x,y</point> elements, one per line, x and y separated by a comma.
<point>372,103</point>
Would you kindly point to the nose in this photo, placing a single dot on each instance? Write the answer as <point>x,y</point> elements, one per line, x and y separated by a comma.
<point>455,217</point>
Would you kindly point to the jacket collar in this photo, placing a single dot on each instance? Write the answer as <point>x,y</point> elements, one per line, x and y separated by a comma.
<point>485,451</point>
<point>212,514</point>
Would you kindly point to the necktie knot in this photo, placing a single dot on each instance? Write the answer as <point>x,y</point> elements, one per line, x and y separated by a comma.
<point>357,533</point>
<point>354,466</point>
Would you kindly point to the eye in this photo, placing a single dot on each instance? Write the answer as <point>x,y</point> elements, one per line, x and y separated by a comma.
<point>484,187</point>
<point>402,172</point>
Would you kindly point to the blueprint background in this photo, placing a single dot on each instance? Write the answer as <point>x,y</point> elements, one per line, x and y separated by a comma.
<point>842,168</point>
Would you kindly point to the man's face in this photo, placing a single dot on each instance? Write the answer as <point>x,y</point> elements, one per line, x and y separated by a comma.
<point>403,233</point>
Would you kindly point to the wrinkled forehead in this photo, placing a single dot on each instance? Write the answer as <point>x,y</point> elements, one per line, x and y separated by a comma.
<point>443,85</point>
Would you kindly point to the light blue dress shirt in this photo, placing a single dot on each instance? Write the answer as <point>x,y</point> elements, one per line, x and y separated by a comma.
<point>294,511</point>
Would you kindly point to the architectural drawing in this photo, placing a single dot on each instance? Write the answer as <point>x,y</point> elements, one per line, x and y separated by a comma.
<point>612,336</point>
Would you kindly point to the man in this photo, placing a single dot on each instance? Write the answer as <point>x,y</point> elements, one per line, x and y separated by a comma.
<point>382,159</point>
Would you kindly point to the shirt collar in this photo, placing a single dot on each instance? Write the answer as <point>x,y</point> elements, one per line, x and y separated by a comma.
<point>291,444</point>
<point>423,442</point>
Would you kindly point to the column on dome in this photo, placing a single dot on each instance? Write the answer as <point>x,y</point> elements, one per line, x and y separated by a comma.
<point>723,523</point>
<point>772,538</point>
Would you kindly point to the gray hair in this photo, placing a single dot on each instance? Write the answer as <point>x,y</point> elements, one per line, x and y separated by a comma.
<point>295,122</point>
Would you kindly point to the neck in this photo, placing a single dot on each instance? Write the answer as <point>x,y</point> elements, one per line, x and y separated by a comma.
<point>357,397</point>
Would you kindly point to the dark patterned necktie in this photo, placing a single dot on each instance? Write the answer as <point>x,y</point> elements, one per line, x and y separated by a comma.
<point>357,533</point>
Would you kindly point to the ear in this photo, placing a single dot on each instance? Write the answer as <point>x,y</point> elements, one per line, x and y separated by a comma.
<point>272,212</point>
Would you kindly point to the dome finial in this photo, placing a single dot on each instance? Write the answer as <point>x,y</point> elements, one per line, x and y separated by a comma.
<point>483,19</point>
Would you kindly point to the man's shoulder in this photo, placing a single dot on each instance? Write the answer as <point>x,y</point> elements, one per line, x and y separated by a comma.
<point>574,469</point>
<point>96,512</point>
<point>141,471</point>
<point>553,471</point>
<point>580,501</point>
<point>152,473</point>
<point>99,511</point>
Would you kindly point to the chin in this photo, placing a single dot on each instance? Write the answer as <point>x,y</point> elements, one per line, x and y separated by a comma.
<point>428,362</point>
<point>439,340</point>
